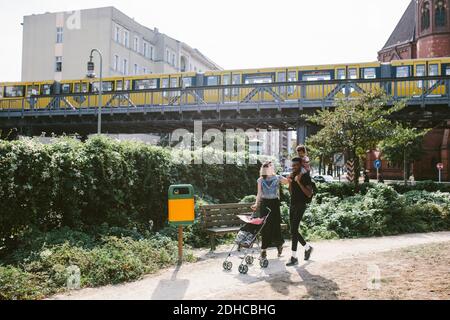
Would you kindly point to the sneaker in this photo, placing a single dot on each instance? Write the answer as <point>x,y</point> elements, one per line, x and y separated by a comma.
<point>308,253</point>
<point>263,255</point>
<point>280,251</point>
<point>292,263</point>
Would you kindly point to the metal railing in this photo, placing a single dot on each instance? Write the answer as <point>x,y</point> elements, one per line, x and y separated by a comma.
<point>317,94</point>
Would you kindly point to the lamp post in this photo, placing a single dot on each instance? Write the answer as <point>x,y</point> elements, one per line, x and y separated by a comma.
<point>91,75</point>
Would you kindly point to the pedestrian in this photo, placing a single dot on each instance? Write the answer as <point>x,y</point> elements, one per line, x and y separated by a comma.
<point>268,202</point>
<point>301,187</point>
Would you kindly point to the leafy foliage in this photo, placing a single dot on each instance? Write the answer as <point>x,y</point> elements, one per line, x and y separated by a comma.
<point>123,184</point>
<point>353,127</point>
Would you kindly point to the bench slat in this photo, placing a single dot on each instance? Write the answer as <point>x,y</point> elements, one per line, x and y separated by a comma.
<point>227,206</point>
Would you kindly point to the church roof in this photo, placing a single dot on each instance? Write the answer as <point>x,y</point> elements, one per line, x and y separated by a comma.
<point>405,31</point>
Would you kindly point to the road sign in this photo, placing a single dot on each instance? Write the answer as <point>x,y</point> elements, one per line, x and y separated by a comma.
<point>339,160</point>
<point>377,164</point>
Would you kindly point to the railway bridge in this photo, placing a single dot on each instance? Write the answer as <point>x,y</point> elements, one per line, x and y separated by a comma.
<point>259,106</point>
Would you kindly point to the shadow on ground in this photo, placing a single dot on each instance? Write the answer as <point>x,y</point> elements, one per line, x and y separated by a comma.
<point>173,289</point>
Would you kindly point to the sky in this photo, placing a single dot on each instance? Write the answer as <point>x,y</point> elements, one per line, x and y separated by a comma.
<point>236,34</point>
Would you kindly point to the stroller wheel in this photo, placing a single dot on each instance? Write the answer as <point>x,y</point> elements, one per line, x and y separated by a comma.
<point>227,266</point>
<point>249,260</point>
<point>243,269</point>
<point>264,263</point>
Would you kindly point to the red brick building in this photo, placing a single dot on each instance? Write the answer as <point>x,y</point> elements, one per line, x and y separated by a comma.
<point>422,32</point>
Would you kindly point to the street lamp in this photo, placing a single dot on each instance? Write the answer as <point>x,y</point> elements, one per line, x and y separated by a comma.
<point>91,75</point>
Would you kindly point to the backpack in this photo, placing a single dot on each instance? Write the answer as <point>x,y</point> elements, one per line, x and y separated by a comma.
<point>315,191</point>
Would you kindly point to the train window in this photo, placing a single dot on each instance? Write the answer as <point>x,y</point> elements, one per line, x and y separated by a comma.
<point>1,92</point>
<point>403,72</point>
<point>32,91</point>
<point>370,73</point>
<point>353,73</point>
<point>281,77</point>
<point>316,76</point>
<point>226,81</point>
<point>146,84</point>
<point>165,85</point>
<point>292,77</point>
<point>46,89</point>
<point>420,72</point>
<point>80,88</point>
<point>107,86</point>
<point>236,81</point>
<point>14,91</point>
<point>433,70</point>
<point>187,82</point>
<point>341,74</point>
<point>212,81</point>
<point>174,83</point>
<point>258,79</point>
<point>120,86</point>
<point>447,71</point>
<point>66,88</point>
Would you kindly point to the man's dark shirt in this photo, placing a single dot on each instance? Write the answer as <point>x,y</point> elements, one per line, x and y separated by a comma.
<point>298,196</point>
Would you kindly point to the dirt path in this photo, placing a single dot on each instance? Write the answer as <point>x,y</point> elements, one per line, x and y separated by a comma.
<point>338,270</point>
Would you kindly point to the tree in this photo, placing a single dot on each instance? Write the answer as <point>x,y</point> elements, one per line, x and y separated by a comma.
<point>403,146</point>
<point>355,126</point>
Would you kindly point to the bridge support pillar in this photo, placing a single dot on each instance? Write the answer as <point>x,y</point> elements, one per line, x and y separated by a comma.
<point>302,134</point>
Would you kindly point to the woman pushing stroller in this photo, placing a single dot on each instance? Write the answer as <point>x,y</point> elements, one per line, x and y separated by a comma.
<point>268,201</point>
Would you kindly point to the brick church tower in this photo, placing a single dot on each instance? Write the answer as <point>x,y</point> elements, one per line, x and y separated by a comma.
<point>433,28</point>
<point>423,32</point>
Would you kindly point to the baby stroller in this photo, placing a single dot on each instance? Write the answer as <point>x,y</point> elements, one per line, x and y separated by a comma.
<point>247,239</point>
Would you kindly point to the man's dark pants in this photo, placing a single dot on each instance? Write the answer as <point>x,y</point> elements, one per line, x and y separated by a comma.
<point>296,215</point>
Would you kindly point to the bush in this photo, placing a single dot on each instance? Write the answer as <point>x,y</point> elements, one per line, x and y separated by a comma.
<point>16,284</point>
<point>43,268</point>
<point>83,185</point>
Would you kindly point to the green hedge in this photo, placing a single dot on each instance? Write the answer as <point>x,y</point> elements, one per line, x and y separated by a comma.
<point>123,184</point>
<point>380,211</point>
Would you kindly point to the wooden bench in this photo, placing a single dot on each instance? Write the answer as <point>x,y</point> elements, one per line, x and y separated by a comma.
<point>223,219</point>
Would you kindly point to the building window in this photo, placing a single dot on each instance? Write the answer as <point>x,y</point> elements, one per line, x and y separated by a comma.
<point>126,38</point>
<point>58,66</point>
<point>441,13</point>
<point>116,63</point>
<point>136,44</point>
<point>117,35</point>
<point>59,35</point>
<point>173,60</point>
<point>151,53</point>
<point>125,67</point>
<point>136,69</point>
<point>425,20</point>
<point>145,50</point>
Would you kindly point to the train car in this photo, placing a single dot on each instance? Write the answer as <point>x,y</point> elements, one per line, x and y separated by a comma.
<point>33,95</point>
<point>420,68</point>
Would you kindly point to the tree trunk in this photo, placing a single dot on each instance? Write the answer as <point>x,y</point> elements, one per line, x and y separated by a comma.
<point>357,170</point>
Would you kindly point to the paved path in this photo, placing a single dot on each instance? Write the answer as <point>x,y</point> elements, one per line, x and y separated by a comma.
<point>207,280</point>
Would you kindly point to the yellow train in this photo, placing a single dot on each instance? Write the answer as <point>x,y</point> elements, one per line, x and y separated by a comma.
<point>22,95</point>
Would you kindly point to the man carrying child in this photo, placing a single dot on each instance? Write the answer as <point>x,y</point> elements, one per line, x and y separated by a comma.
<point>301,188</point>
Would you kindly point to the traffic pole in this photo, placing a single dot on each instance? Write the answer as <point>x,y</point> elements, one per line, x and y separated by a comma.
<point>440,176</point>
